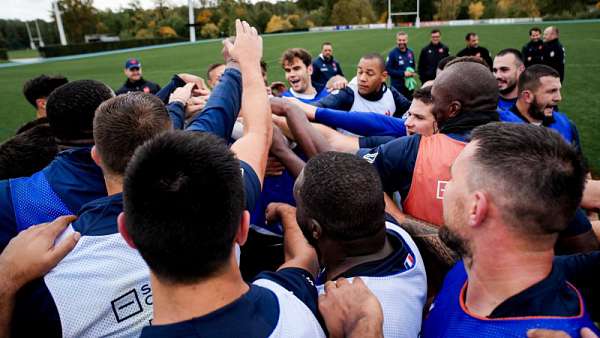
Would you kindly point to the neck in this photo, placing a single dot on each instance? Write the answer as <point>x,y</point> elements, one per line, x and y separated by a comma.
<point>338,260</point>
<point>114,184</point>
<point>512,95</point>
<point>523,108</point>
<point>40,113</point>
<point>175,303</point>
<point>494,277</point>
<point>310,90</point>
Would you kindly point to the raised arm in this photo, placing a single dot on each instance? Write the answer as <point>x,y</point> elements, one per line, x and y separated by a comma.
<point>253,146</point>
<point>361,123</point>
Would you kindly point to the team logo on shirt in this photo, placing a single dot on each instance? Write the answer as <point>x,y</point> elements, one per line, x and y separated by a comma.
<point>552,54</point>
<point>370,157</point>
<point>127,306</point>
<point>441,189</point>
<point>409,262</point>
<point>146,90</point>
<point>441,50</point>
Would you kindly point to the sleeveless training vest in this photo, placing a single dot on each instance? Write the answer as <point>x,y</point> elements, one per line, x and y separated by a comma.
<point>34,201</point>
<point>386,105</point>
<point>450,318</point>
<point>432,172</point>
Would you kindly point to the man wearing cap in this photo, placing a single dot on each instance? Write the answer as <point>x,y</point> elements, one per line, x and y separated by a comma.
<point>135,82</point>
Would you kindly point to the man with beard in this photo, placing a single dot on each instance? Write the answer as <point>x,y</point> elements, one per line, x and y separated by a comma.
<point>400,65</point>
<point>297,64</point>
<point>474,49</point>
<point>554,52</point>
<point>533,50</point>
<point>539,94</point>
<point>418,167</point>
<point>325,67</point>
<point>508,65</point>
<point>368,92</point>
<point>505,228</point>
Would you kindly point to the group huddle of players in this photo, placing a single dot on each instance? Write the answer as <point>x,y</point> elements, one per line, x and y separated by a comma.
<point>335,207</point>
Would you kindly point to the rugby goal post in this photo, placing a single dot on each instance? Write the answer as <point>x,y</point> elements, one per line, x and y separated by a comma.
<point>390,25</point>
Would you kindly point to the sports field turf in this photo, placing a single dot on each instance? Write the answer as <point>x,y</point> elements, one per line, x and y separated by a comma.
<point>581,100</point>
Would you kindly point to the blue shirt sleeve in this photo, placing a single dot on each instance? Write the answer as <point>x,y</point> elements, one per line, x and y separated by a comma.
<point>176,114</point>
<point>342,100</point>
<point>222,108</point>
<point>251,185</point>
<point>395,162</point>
<point>298,281</point>
<point>578,225</point>
<point>166,91</point>
<point>365,124</point>
<point>8,223</point>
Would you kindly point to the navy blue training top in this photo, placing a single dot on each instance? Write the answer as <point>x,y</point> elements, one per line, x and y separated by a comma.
<point>73,176</point>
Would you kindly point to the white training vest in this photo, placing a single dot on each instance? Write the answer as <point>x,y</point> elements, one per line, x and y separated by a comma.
<point>386,105</point>
<point>101,288</point>
<point>403,295</point>
<point>295,318</point>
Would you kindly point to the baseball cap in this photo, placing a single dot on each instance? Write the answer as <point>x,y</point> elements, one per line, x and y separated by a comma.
<point>133,63</point>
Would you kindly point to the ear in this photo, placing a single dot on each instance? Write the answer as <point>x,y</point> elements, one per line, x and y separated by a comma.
<point>123,230</point>
<point>96,157</point>
<point>527,96</point>
<point>478,210</point>
<point>521,69</point>
<point>315,229</point>
<point>242,235</point>
<point>310,69</point>
<point>384,75</point>
<point>454,108</point>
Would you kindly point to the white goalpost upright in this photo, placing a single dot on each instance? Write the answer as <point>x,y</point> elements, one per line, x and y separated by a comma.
<point>390,14</point>
<point>192,20</point>
<point>61,30</point>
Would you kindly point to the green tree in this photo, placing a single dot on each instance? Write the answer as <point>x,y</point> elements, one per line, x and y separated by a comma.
<point>79,18</point>
<point>447,9</point>
<point>350,12</point>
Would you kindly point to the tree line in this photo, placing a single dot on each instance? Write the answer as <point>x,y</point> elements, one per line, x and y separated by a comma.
<point>216,18</point>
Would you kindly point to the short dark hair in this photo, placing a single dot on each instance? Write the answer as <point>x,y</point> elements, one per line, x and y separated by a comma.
<point>212,67</point>
<point>41,87</point>
<point>517,54</point>
<point>444,61</point>
<point>530,77</point>
<point>469,35</point>
<point>435,30</point>
<point>423,94</point>
<point>290,54</point>
<point>344,194</point>
<point>27,152</point>
<point>535,29</point>
<point>70,108</point>
<point>124,123</point>
<point>546,178</point>
<point>326,43</point>
<point>375,56</point>
<point>183,201</point>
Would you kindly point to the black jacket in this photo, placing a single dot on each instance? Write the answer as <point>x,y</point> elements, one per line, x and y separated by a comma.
<point>533,53</point>
<point>430,57</point>
<point>482,52</point>
<point>554,56</point>
<point>140,85</point>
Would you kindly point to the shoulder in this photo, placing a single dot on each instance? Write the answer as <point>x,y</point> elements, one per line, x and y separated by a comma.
<point>295,280</point>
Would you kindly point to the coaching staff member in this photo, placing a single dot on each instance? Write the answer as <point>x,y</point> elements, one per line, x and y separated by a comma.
<point>431,55</point>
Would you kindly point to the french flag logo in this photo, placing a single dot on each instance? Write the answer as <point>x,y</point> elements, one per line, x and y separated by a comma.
<point>409,262</point>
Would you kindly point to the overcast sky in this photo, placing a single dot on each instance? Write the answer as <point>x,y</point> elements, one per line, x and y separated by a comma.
<point>40,9</point>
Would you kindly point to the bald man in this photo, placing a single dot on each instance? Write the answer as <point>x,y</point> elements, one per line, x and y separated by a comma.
<point>418,167</point>
<point>554,52</point>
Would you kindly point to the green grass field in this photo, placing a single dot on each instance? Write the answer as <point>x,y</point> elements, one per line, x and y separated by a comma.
<point>580,94</point>
<point>22,54</point>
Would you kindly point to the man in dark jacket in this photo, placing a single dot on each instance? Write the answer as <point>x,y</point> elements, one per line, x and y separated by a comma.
<point>533,50</point>
<point>135,82</point>
<point>400,65</point>
<point>431,55</point>
<point>324,67</point>
<point>554,52</point>
<point>473,49</point>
